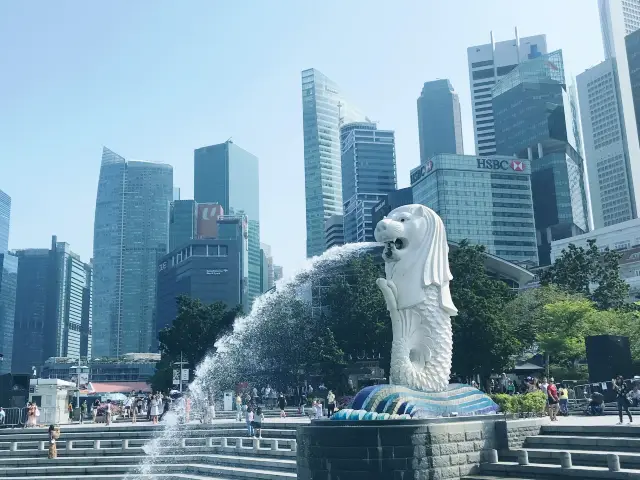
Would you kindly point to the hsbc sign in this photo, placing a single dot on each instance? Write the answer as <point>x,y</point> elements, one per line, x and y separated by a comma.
<point>417,173</point>
<point>497,164</point>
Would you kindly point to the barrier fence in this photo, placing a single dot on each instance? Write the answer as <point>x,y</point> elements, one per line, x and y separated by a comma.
<point>17,416</point>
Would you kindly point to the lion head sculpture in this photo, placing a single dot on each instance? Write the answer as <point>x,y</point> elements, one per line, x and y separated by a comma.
<point>416,255</point>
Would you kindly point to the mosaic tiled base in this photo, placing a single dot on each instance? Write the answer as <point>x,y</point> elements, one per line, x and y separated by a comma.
<point>393,402</point>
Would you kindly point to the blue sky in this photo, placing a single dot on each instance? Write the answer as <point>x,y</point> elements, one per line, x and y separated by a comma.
<point>156,79</point>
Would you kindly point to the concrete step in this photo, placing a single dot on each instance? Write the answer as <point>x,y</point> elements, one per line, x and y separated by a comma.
<point>89,435</point>
<point>491,477</point>
<point>241,460</point>
<point>570,442</point>
<point>153,476</point>
<point>587,458</point>
<point>265,450</point>
<point>545,471</point>
<point>613,430</point>
<point>82,472</point>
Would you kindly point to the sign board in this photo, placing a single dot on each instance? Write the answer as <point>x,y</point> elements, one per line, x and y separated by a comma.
<point>162,266</point>
<point>176,376</point>
<point>497,164</point>
<point>185,374</point>
<point>217,271</point>
<point>421,171</point>
<point>207,220</point>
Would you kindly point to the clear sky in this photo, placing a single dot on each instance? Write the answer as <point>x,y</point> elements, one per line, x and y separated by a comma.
<point>155,79</point>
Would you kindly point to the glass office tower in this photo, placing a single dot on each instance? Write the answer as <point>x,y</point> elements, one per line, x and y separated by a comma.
<point>535,119</point>
<point>368,175</point>
<point>228,175</point>
<point>5,217</point>
<point>486,200</point>
<point>8,285</point>
<point>324,109</point>
<point>131,233</point>
<point>439,120</point>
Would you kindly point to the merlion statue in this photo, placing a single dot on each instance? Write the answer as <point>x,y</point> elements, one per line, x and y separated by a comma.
<point>416,290</point>
<point>417,294</point>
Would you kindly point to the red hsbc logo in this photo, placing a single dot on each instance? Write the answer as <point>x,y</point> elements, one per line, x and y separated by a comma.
<point>517,165</point>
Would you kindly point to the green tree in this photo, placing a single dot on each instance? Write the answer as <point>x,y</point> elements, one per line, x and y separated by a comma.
<point>355,311</point>
<point>483,340</point>
<point>591,273</point>
<point>192,335</point>
<point>560,330</point>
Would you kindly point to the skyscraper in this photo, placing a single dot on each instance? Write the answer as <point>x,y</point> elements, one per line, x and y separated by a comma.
<point>53,300</point>
<point>5,219</point>
<point>487,65</point>
<point>181,222</point>
<point>277,272</point>
<point>8,285</point>
<point>439,120</point>
<point>324,108</point>
<point>608,150</point>
<point>334,231</point>
<point>8,281</point>
<point>266,267</point>
<point>618,18</point>
<point>368,175</point>
<point>131,233</point>
<point>228,175</point>
<point>536,119</point>
<point>484,200</point>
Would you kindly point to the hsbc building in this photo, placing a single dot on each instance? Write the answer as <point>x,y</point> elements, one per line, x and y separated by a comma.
<point>486,200</point>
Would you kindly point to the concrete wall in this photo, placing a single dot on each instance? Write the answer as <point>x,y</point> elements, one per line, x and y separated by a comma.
<point>426,449</point>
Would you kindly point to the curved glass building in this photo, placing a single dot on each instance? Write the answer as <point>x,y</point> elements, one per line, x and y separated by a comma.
<point>131,233</point>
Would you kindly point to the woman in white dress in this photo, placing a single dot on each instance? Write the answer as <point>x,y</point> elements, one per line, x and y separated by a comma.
<point>155,408</point>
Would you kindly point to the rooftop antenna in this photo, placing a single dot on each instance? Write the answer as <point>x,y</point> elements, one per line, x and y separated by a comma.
<point>517,45</point>
<point>340,117</point>
<point>229,140</point>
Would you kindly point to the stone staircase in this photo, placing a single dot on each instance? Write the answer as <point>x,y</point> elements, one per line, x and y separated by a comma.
<point>611,408</point>
<point>579,452</point>
<point>221,451</point>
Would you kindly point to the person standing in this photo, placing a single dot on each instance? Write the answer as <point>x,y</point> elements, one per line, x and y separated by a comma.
<point>563,394</point>
<point>54,434</point>
<point>83,411</point>
<point>134,411</point>
<point>70,410</point>
<point>257,423</point>
<point>249,419</point>
<point>107,412</point>
<point>622,392</point>
<point>155,408</point>
<point>94,410</point>
<point>238,408</point>
<point>331,403</point>
<point>282,403</point>
<point>552,401</point>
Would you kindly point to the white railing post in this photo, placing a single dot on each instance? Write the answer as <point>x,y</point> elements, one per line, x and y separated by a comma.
<point>256,443</point>
<point>69,445</point>
<point>274,444</point>
<point>239,443</point>
<point>294,445</point>
<point>96,444</point>
<point>14,446</point>
<point>565,460</point>
<point>125,443</point>
<point>43,446</point>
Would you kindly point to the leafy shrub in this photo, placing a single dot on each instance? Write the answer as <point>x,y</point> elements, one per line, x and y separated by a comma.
<point>529,403</point>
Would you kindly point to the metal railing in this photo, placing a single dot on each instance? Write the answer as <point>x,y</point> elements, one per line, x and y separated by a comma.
<point>16,417</point>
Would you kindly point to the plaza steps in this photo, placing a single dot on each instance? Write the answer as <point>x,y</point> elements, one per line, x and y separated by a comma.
<point>589,447</point>
<point>197,451</point>
<point>610,408</point>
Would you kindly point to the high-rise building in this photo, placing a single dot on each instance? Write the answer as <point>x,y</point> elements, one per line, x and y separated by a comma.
<point>439,120</point>
<point>536,119</point>
<point>618,18</point>
<point>324,108</point>
<point>608,152</point>
<point>632,42</point>
<point>368,174</point>
<point>393,200</point>
<point>176,193</point>
<point>8,286</point>
<point>227,175</point>
<point>277,273</point>
<point>266,268</point>
<point>131,233</point>
<point>5,219</point>
<point>210,270</point>
<point>334,231</point>
<point>484,200</point>
<point>182,216</point>
<point>487,65</point>
<point>53,306</point>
